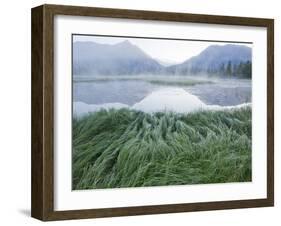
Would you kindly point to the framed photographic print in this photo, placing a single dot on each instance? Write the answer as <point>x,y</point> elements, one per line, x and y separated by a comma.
<point>141,112</point>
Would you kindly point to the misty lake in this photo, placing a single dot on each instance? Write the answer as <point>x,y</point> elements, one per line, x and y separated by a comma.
<point>132,89</point>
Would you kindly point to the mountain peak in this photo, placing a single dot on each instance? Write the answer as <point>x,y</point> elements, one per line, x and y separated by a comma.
<point>122,58</point>
<point>124,43</point>
<point>214,58</point>
<point>227,48</point>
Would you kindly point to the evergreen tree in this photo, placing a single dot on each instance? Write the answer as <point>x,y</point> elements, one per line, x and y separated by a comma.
<point>222,70</point>
<point>228,69</point>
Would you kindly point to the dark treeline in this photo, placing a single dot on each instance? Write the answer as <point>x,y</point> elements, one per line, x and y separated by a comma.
<point>241,70</point>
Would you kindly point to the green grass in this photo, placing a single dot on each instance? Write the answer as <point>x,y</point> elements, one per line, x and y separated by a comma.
<point>126,148</point>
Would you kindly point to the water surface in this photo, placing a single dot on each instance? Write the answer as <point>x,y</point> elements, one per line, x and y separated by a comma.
<point>224,92</point>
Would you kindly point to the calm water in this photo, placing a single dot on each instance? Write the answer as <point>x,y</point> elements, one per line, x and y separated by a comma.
<point>225,92</point>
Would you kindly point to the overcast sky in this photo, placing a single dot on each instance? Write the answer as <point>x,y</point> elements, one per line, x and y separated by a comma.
<point>170,51</point>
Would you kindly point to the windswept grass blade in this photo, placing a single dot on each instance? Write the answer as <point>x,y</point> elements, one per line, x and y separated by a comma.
<point>126,148</point>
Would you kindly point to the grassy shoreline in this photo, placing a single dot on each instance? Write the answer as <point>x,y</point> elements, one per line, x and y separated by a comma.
<point>126,148</point>
<point>161,80</point>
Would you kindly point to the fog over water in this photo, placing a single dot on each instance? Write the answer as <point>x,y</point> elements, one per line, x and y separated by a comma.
<point>223,92</point>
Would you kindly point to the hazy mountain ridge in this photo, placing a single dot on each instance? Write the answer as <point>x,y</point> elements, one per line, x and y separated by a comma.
<point>214,58</point>
<point>91,58</point>
<point>124,58</point>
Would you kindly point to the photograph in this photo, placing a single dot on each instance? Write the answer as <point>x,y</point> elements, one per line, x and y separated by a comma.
<point>159,112</point>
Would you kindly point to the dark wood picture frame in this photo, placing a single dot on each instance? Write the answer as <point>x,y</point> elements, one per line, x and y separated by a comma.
<point>42,203</point>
